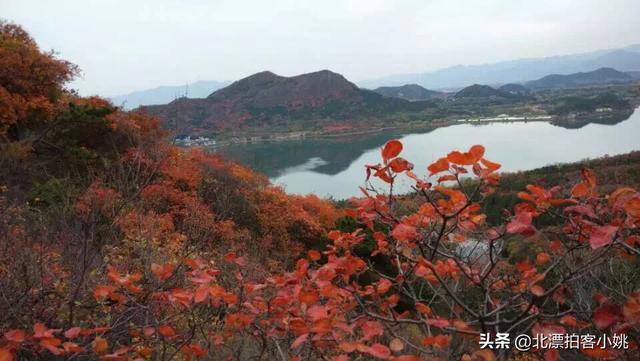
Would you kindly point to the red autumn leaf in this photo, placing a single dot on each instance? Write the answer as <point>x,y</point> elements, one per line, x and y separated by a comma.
<point>422,308</point>
<point>606,315</point>
<point>72,347</point>
<point>321,327</point>
<point>102,291</point>
<point>458,157</point>
<point>99,345</point>
<point>348,346</point>
<point>455,196</point>
<point>447,178</point>
<point>217,291</point>
<point>579,190</point>
<point>317,312</point>
<point>569,320</point>
<point>382,174</point>
<point>477,151</point>
<point>391,150</point>
<point>308,297</point>
<point>51,344</point>
<point>438,166</point>
<point>162,272</point>
<point>72,333</point>
<point>241,261</point>
<point>602,236</point>
<point>42,331</point>
<point>201,294</point>
<point>400,165</point>
<point>144,351</point>
<point>471,157</point>
<point>379,351</point>
<point>600,298</point>
<point>384,285</point>
<point>371,329</point>
<point>230,257</point>
<point>194,349</point>
<point>537,290</point>
<point>166,331</point>
<point>99,330</point>
<point>632,207</point>
<point>404,232</point>
<point>17,336</point>
<point>581,209</point>
<point>369,168</point>
<point>148,331</point>
<point>543,258</point>
<point>439,341</point>
<point>438,322</point>
<point>299,341</point>
<point>491,166</point>
<point>314,255</point>
<point>96,330</point>
<point>521,224</point>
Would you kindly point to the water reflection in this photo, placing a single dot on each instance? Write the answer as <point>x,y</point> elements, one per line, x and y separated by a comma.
<point>335,167</point>
<point>326,156</point>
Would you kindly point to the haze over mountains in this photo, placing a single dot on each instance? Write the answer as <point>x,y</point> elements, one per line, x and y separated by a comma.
<point>166,94</point>
<point>515,71</point>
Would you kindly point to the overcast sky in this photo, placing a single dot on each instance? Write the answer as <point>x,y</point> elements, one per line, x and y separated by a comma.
<point>126,45</point>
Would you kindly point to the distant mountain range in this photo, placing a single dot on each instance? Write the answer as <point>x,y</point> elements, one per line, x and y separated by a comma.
<point>270,102</point>
<point>409,92</point>
<point>166,94</point>
<point>515,71</point>
<point>405,86</point>
<point>600,76</point>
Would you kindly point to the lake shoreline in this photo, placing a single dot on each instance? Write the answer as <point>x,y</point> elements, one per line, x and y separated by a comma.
<point>569,121</point>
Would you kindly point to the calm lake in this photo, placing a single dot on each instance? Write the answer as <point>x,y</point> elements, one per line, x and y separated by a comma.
<point>335,167</point>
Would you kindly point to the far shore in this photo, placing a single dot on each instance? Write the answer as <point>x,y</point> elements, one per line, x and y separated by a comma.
<point>421,126</point>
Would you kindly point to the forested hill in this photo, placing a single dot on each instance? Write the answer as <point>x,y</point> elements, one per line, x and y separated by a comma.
<point>600,76</point>
<point>268,100</point>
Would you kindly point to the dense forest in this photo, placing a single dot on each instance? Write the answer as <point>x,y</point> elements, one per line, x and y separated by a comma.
<point>115,245</point>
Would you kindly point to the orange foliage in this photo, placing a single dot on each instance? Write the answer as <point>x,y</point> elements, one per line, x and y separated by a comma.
<point>30,81</point>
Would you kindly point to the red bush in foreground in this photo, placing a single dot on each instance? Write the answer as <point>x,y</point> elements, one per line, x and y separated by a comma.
<point>418,285</point>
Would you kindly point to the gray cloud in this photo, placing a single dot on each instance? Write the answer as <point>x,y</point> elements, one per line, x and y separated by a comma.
<point>127,45</point>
